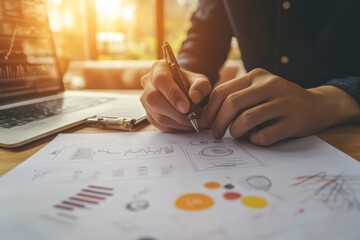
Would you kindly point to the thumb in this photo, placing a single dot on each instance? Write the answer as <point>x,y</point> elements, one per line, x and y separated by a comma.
<point>200,87</point>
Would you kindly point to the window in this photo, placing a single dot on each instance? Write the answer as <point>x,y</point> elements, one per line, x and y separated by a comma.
<point>118,29</point>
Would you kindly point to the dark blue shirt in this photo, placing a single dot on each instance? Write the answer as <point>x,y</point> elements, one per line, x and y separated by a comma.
<point>308,42</point>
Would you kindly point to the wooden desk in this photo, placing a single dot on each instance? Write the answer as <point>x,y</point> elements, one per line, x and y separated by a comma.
<point>345,138</point>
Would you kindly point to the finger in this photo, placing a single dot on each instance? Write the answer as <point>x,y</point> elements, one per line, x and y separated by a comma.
<point>166,124</point>
<point>163,81</point>
<point>235,104</point>
<point>156,104</point>
<point>255,116</point>
<point>217,97</point>
<point>277,131</point>
<point>200,87</point>
<point>157,125</point>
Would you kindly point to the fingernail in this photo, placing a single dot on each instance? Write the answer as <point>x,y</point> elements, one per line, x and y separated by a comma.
<point>182,106</point>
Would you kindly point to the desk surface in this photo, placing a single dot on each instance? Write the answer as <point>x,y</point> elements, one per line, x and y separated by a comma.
<point>345,138</point>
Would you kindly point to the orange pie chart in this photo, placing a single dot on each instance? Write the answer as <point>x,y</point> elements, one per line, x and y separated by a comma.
<point>194,202</point>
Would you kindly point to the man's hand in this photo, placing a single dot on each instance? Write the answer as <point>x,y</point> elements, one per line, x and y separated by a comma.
<point>165,103</point>
<point>268,108</point>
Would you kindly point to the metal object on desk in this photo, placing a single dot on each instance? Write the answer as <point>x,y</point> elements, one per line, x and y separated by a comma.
<point>119,123</point>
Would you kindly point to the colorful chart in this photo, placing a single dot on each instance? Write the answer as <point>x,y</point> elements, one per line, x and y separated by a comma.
<point>254,202</point>
<point>194,202</point>
<point>232,195</point>
<point>86,199</point>
<point>212,185</point>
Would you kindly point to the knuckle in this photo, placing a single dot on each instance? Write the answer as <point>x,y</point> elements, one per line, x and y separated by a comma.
<point>162,120</point>
<point>215,92</point>
<point>151,98</point>
<point>160,78</point>
<point>158,64</point>
<point>258,71</point>
<point>172,94</point>
<point>246,118</point>
<point>218,93</point>
<point>231,100</point>
<point>274,82</point>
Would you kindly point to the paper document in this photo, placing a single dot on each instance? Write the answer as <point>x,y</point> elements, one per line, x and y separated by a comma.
<point>181,186</point>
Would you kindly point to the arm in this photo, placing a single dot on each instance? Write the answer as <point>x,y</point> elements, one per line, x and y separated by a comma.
<point>351,85</point>
<point>208,40</point>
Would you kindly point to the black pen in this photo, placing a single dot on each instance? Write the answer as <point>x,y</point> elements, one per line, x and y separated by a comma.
<point>180,81</point>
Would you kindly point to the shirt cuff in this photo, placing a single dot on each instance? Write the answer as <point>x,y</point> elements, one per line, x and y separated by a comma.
<point>351,85</point>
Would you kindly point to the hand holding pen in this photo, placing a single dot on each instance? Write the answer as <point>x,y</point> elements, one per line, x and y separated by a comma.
<point>167,102</point>
<point>181,82</point>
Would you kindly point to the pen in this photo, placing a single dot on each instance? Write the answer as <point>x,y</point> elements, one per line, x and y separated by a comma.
<point>180,81</point>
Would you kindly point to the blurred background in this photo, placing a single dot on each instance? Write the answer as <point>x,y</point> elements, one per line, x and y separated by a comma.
<point>116,30</point>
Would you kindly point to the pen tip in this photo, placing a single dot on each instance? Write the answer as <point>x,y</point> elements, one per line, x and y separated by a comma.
<point>195,124</point>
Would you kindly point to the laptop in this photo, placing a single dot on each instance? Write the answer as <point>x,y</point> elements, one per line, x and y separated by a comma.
<point>33,102</point>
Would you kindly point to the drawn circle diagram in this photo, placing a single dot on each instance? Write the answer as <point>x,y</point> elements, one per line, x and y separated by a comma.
<point>254,202</point>
<point>259,182</point>
<point>216,151</point>
<point>198,142</point>
<point>137,205</point>
<point>194,202</point>
<point>212,185</point>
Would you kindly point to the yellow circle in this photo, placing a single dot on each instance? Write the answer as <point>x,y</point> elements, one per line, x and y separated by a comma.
<point>254,202</point>
<point>212,185</point>
<point>194,202</point>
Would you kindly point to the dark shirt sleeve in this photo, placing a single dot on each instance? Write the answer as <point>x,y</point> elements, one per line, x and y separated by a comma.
<point>351,85</point>
<point>208,40</point>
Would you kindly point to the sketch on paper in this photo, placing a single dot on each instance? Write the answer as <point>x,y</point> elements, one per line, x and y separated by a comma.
<point>256,182</point>
<point>137,205</point>
<point>121,173</point>
<point>227,154</point>
<point>198,142</point>
<point>69,208</point>
<point>114,153</point>
<point>336,192</point>
<point>55,153</point>
<point>216,151</point>
<point>39,174</point>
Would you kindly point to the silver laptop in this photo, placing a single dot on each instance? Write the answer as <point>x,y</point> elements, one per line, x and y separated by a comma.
<point>33,103</point>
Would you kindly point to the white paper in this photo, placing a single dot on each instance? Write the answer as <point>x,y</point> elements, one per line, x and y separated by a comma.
<point>181,186</point>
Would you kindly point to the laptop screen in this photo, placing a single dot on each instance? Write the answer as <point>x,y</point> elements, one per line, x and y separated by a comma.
<point>28,64</point>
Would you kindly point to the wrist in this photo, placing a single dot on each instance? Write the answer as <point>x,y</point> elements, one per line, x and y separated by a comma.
<point>337,106</point>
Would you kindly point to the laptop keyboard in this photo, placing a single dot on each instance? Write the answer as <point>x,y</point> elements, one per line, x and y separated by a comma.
<point>18,116</point>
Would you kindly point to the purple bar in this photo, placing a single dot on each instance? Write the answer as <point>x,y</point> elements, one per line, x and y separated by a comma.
<point>64,207</point>
<point>97,192</point>
<point>73,204</point>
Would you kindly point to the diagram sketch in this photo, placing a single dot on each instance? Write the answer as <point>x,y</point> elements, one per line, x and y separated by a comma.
<point>223,155</point>
<point>55,153</point>
<point>114,153</point>
<point>256,182</point>
<point>118,173</point>
<point>336,192</point>
<point>198,142</point>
